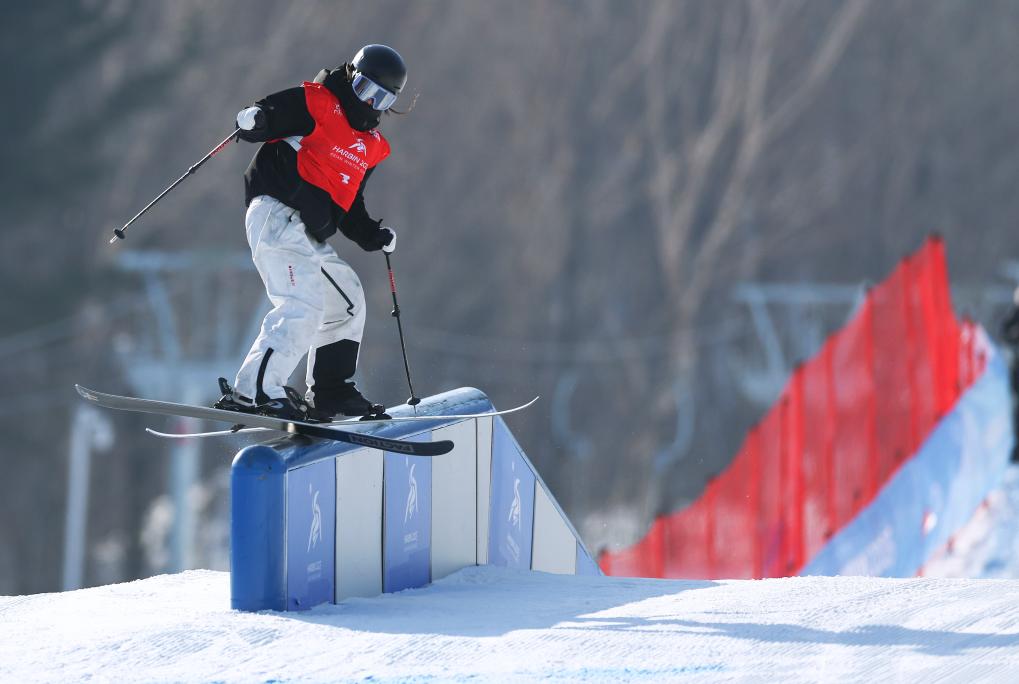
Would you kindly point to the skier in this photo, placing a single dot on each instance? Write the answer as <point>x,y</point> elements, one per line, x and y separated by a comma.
<point>1010,333</point>
<point>321,143</point>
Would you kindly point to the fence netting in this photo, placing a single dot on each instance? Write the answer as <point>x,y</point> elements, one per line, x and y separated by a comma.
<point>844,423</point>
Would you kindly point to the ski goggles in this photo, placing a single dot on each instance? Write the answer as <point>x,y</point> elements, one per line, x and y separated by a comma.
<point>368,90</point>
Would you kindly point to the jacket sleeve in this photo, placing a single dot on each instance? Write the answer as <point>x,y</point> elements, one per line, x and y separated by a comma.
<point>358,226</point>
<point>286,114</point>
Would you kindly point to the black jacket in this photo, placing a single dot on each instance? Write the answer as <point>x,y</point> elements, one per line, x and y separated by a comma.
<point>273,170</point>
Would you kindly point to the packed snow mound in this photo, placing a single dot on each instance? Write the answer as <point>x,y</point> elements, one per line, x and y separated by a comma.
<point>492,624</point>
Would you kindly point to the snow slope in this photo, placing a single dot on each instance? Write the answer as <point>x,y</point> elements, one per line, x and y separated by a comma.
<point>492,624</point>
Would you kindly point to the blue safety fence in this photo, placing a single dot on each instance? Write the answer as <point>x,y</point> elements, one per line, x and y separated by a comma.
<point>934,493</point>
<point>316,521</point>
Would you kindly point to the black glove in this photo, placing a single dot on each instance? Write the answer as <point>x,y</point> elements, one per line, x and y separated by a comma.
<point>390,246</point>
<point>368,234</point>
<point>252,124</point>
<point>377,239</point>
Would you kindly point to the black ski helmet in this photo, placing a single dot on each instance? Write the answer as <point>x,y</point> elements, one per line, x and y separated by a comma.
<point>382,64</point>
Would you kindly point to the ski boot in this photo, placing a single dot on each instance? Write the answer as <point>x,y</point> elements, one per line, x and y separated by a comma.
<point>231,401</point>
<point>345,401</point>
<point>289,407</point>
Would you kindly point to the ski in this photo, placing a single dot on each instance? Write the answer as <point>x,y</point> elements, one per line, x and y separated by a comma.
<point>339,423</point>
<point>211,433</point>
<point>320,430</point>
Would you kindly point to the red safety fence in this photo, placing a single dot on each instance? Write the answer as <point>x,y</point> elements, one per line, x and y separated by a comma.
<point>845,422</point>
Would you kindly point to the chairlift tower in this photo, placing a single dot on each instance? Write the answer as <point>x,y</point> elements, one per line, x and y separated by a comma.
<point>804,333</point>
<point>194,337</point>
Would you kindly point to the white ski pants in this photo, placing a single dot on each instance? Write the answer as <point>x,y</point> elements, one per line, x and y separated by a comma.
<point>316,298</point>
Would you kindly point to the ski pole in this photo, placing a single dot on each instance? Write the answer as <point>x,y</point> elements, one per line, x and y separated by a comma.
<point>414,399</point>
<point>118,233</point>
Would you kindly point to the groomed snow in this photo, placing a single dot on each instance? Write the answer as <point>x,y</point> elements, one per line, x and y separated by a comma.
<point>491,624</point>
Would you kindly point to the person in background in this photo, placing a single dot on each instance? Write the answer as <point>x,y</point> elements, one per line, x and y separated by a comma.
<point>1010,333</point>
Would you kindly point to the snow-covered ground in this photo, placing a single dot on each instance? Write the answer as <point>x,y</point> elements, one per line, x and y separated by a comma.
<point>491,624</point>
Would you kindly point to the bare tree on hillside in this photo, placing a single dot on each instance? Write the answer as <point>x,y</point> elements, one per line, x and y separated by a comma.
<point>715,89</point>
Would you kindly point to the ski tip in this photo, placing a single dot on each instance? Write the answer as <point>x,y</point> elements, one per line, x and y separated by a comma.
<point>519,408</point>
<point>85,392</point>
<point>443,446</point>
<point>172,435</point>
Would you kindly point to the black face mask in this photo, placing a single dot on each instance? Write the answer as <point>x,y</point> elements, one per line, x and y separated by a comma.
<point>360,115</point>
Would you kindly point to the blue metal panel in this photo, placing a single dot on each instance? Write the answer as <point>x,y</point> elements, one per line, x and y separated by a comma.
<point>311,534</point>
<point>934,493</point>
<point>408,522</point>
<point>257,578</point>
<point>586,564</point>
<point>512,509</point>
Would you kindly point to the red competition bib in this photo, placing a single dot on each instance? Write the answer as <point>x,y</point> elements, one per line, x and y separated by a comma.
<point>335,156</point>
